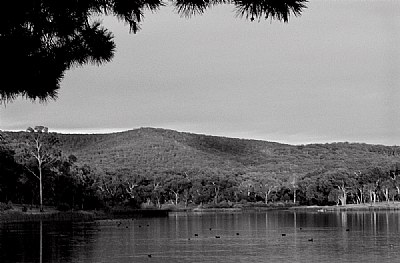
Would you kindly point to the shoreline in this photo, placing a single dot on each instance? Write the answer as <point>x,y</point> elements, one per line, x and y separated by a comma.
<point>76,216</point>
<point>11,216</point>
<point>379,206</point>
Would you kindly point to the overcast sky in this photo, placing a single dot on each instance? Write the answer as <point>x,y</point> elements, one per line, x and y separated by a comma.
<point>332,74</point>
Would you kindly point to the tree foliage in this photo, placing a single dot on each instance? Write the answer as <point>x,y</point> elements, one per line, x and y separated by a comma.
<point>41,39</point>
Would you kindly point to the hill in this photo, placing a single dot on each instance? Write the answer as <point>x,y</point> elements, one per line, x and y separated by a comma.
<point>148,149</point>
<point>165,166</point>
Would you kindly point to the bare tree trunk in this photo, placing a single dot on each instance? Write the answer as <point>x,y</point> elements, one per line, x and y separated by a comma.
<point>343,196</point>
<point>40,188</point>
<point>294,196</point>
<point>361,195</point>
<point>373,196</point>
<point>342,199</point>
<point>386,194</point>
<point>266,195</point>
<point>216,189</point>
<point>176,198</point>
<point>176,194</point>
<point>358,200</point>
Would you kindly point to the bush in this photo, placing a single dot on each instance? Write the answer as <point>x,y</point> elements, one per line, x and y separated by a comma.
<point>133,203</point>
<point>223,204</point>
<point>63,207</point>
<point>24,209</point>
<point>4,206</point>
<point>170,207</point>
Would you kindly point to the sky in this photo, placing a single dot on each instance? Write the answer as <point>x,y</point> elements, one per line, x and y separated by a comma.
<point>330,75</point>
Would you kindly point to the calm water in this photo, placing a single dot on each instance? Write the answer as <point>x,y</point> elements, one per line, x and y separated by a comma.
<point>274,236</point>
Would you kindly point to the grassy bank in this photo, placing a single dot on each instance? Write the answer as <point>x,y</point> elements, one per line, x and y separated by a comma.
<point>290,206</point>
<point>16,214</point>
<point>352,207</point>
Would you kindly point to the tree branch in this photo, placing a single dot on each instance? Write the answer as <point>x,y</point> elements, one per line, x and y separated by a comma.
<point>32,172</point>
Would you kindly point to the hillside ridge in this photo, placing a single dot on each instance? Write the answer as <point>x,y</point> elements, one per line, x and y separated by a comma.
<point>149,149</point>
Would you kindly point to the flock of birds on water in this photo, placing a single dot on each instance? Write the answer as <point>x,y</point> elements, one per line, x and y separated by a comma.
<point>119,223</point>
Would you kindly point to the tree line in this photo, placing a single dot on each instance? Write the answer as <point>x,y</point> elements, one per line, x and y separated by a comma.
<point>35,171</point>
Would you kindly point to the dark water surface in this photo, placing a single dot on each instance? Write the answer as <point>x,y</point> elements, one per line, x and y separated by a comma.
<point>273,236</point>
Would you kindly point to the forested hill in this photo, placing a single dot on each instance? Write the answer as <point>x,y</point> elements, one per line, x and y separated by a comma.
<point>149,150</point>
<point>157,166</point>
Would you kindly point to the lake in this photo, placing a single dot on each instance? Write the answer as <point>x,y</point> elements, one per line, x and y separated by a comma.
<point>272,236</point>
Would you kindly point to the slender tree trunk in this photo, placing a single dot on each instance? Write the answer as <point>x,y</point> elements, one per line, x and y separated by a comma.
<point>294,196</point>
<point>216,195</point>
<point>40,188</point>
<point>176,198</point>
<point>386,194</point>
<point>358,200</point>
<point>373,197</point>
<point>266,195</point>
<point>343,196</point>
<point>361,195</point>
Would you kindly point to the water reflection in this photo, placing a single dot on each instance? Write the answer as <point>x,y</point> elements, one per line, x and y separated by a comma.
<point>41,242</point>
<point>45,241</point>
<point>281,236</point>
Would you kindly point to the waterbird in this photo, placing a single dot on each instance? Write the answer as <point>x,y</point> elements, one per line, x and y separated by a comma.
<point>217,237</point>
<point>347,229</point>
<point>196,235</point>
<point>283,235</point>
<point>149,255</point>
<point>237,234</point>
<point>311,239</point>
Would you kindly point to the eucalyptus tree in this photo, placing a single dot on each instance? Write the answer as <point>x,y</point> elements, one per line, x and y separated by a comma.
<point>293,181</point>
<point>246,186</point>
<point>177,185</point>
<point>394,173</point>
<point>266,184</point>
<point>41,39</point>
<point>343,181</point>
<point>373,180</point>
<point>39,151</point>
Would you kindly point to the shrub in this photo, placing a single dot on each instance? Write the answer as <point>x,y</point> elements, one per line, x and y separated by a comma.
<point>4,206</point>
<point>63,207</point>
<point>223,204</point>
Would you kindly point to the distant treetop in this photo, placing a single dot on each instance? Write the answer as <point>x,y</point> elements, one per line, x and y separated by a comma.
<point>41,39</point>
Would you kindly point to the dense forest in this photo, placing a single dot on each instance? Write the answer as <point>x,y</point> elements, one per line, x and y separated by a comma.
<point>151,167</point>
